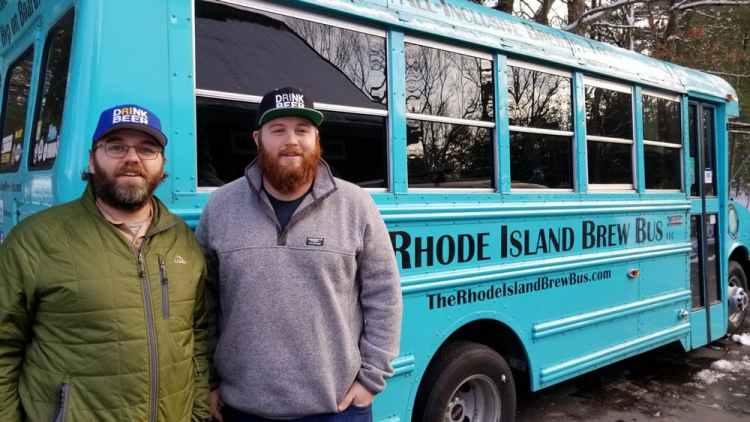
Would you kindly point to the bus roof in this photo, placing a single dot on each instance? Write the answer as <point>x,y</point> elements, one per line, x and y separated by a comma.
<point>483,26</point>
<point>473,24</point>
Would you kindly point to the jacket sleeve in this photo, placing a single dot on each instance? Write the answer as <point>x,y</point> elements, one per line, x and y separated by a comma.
<point>16,315</point>
<point>211,291</point>
<point>201,408</point>
<point>380,297</point>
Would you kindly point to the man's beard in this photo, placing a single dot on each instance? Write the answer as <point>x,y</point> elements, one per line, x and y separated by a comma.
<point>288,179</point>
<point>126,196</point>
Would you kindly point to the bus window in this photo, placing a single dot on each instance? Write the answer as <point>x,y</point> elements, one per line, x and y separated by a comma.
<point>225,144</point>
<point>739,164</point>
<point>609,135</point>
<point>694,163</point>
<point>709,148</point>
<point>242,53</point>
<point>541,127</point>
<point>449,104</point>
<point>16,91</point>
<point>701,130</point>
<point>52,82</point>
<point>711,263</point>
<point>662,139</point>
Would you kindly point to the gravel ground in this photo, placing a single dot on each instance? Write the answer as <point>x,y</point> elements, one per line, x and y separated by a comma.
<point>710,384</point>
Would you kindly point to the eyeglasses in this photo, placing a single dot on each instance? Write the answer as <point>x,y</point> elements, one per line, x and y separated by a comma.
<point>119,150</point>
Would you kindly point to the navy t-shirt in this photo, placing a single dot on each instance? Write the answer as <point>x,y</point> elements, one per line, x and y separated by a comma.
<point>285,209</point>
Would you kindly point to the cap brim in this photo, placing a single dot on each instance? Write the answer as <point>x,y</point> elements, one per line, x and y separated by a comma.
<point>310,114</point>
<point>160,138</point>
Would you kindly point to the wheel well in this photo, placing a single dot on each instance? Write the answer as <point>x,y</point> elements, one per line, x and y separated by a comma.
<point>500,338</point>
<point>740,255</point>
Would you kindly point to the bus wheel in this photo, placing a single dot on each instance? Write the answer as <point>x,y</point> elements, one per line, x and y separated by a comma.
<point>739,302</point>
<point>469,382</point>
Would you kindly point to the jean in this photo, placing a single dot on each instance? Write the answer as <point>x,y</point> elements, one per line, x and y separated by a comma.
<point>351,414</point>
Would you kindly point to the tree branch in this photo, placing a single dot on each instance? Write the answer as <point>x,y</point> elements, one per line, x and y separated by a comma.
<point>598,12</point>
<point>617,26</point>
<point>704,14</point>
<point>687,4</point>
<point>734,75</point>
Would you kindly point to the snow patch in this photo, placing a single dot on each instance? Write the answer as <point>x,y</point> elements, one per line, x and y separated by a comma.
<point>709,377</point>
<point>731,367</point>
<point>743,339</point>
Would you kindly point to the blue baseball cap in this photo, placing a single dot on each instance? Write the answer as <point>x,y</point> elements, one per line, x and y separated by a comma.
<point>129,116</point>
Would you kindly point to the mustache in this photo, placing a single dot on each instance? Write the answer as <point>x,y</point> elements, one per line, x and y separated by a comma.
<point>291,150</point>
<point>131,169</point>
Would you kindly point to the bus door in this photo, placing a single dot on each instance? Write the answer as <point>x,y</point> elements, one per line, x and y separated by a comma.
<point>704,225</point>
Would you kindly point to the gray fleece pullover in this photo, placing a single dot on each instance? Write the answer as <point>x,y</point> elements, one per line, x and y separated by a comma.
<point>305,311</point>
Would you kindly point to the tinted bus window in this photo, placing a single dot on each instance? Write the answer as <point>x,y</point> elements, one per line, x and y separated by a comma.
<point>45,140</point>
<point>701,130</point>
<point>250,52</point>
<point>541,122</point>
<point>225,144</point>
<point>694,164</point>
<point>608,113</point>
<point>450,110</point>
<point>709,158</point>
<point>662,139</point>
<point>17,86</point>
<point>609,134</point>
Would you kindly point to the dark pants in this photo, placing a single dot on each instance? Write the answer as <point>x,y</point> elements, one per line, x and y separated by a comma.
<point>352,414</point>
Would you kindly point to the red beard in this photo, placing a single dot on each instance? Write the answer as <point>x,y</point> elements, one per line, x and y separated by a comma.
<point>288,179</point>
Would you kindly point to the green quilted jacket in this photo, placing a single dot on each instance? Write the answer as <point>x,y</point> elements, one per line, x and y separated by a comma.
<point>91,331</point>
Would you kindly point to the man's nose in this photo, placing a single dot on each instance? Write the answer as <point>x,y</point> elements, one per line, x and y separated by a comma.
<point>132,155</point>
<point>291,138</point>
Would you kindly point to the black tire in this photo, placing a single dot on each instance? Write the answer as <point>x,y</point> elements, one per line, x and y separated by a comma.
<point>467,382</point>
<point>737,279</point>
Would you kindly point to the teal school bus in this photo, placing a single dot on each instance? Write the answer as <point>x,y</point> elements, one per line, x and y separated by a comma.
<point>555,204</point>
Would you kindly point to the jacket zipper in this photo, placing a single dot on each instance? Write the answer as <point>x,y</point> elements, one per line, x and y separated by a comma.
<point>153,357</point>
<point>164,288</point>
<point>62,408</point>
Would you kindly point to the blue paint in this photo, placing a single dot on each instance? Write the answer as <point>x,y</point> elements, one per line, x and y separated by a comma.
<point>549,269</point>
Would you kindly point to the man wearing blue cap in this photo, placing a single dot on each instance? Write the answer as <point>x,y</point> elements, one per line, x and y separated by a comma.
<point>102,314</point>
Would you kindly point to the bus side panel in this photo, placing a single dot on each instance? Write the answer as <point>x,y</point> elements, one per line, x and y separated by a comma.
<point>420,340</point>
<point>641,309</point>
<point>24,191</point>
<point>130,53</point>
<point>667,278</point>
<point>579,292</point>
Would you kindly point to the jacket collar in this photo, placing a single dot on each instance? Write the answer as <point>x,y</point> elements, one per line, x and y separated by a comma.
<point>163,219</point>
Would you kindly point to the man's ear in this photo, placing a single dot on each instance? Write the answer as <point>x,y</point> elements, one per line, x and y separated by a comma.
<point>90,170</point>
<point>256,137</point>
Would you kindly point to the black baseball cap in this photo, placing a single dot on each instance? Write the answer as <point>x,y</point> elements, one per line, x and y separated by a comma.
<point>287,101</point>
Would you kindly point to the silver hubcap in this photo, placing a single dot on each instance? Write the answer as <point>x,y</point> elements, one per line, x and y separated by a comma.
<point>738,302</point>
<point>477,399</point>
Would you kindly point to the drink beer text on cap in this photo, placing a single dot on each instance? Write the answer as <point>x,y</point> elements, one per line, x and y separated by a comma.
<point>290,100</point>
<point>129,115</point>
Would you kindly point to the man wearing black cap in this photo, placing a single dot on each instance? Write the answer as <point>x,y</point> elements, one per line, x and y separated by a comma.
<point>309,302</point>
<point>102,314</point>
